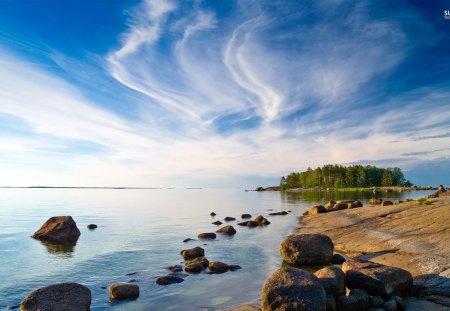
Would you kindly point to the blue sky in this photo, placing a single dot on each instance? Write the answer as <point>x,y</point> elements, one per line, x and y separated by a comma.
<point>220,93</point>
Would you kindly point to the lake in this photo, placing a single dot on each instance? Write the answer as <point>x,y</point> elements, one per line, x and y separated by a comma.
<point>141,231</point>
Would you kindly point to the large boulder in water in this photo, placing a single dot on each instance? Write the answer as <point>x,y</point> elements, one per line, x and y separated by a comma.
<point>58,297</point>
<point>307,249</point>
<point>123,291</point>
<point>228,230</point>
<point>293,289</point>
<point>377,279</point>
<point>192,253</point>
<point>58,229</point>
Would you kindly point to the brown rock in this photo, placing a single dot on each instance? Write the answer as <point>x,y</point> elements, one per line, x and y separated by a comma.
<point>199,260</point>
<point>123,291</point>
<point>317,209</point>
<point>332,279</point>
<point>252,224</point>
<point>168,279</point>
<point>192,253</point>
<point>330,204</point>
<point>218,267</point>
<point>207,235</point>
<point>228,230</point>
<point>59,229</point>
<point>340,206</point>
<point>377,279</point>
<point>386,203</point>
<point>58,297</point>
<point>375,201</point>
<point>293,289</point>
<point>259,218</point>
<point>307,249</point>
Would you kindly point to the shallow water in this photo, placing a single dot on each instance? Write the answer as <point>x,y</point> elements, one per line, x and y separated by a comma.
<point>141,231</point>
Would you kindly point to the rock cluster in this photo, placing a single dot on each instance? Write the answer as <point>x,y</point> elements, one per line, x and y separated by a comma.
<point>332,206</point>
<point>370,285</point>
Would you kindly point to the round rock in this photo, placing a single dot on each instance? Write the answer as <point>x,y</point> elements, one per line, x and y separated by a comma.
<point>207,235</point>
<point>58,297</point>
<point>123,291</point>
<point>307,249</point>
<point>228,230</point>
<point>293,289</point>
<point>192,253</point>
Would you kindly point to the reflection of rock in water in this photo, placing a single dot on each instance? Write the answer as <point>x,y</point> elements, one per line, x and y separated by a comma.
<point>60,249</point>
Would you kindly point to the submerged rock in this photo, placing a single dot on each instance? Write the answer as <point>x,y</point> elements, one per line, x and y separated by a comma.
<point>278,213</point>
<point>58,297</point>
<point>92,226</point>
<point>218,267</point>
<point>246,216</point>
<point>228,230</point>
<point>187,240</point>
<point>213,214</point>
<point>123,291</point>
<point>168,279</point>
<point>293,289</point>
<point>59,229</point>
<point>307,249</point>
<point>217,223</point>
<point>207,235</point>
<point>192,253</point>
<point>175,268</point>
<point>377,279</point>
<point>234,267</point>
<point>229,218</point>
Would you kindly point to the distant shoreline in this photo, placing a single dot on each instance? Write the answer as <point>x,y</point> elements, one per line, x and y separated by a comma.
<point>350,189</point>
<point>82,187</point>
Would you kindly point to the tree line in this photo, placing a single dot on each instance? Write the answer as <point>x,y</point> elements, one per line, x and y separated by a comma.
<point>338,176</point>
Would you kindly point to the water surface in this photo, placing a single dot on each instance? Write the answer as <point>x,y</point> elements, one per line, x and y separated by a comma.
<point>141,231</point>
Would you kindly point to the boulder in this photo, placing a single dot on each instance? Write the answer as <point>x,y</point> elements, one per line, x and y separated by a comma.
<point>390,305</point>
<point>228,230</point>
<point>355,301</point>
<point>317,209</point>
<point>199,260</point>
<point>278,213</point>
<point>293,289</point>
<point>399,301</point>
<point>307,249</point>
<point>252,224</point>
<point>265,222</point>
<point>192,253</point>
<point>59,229</point>
<point>332,279</point>
<point>217,267</point>
<point>351,205</point>
<point>168,279</point>
<point>387,203</point>
<point>340,206</point>
<point>217,223</point>
<point>337,259</point>
<point>375,201</point>
<point>194,268</point>
<point>330,204</point>
<point>246,216</point>
<point>123,291</point>
<point>207,235</point>
<point>377,301</point>
<point>229,218</point>
<point>259,218</point>
<point>377,279</point>
<point>92,226</point>
<point>358,203</point>
<point>58,297</point>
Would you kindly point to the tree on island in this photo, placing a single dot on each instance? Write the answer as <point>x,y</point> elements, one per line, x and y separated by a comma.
<point>338,176</point>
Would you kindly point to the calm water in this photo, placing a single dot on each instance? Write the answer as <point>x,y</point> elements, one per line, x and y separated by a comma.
<point>142,231</point>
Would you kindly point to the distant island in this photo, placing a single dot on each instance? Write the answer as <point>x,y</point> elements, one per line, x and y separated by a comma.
<point>339,177</point>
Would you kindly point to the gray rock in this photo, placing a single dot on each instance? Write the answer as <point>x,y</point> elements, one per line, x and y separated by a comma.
<point>390,305</point>
<point>58,297</point>
<point>332,279</point>
<point>213,214</point>
<point>293,289</point>
<point>377,301</point>
<point>123,291</point>
<point>192,253</point>
<point>234,267</point>
<point>58,229</point>
<point>307,249</point>
<point>377,279</point>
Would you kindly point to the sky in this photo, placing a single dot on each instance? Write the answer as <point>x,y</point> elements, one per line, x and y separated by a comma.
<point>156,93</point>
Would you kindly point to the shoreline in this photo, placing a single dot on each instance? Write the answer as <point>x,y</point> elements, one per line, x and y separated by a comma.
<point>349,189</point>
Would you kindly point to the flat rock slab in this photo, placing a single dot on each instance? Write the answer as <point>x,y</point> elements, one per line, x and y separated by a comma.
<point>58,297</point>
<point>293,289</point>
<point>377,279</point>
<point>58,229</point>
